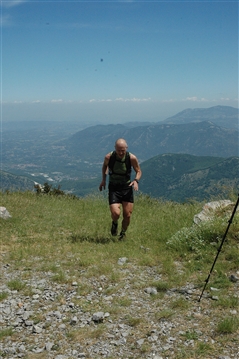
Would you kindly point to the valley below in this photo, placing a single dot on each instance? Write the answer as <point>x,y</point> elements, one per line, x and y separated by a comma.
<point>70,155</point>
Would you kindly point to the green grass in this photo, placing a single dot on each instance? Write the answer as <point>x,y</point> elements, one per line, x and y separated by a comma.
<point>16,284</point>
<point>6,333</point>
<point>60,233</point>
<point>3,296</point>
<point>190,335</point>
<point>133,321</point>
<point>228,325</point>
<point>70,237</point>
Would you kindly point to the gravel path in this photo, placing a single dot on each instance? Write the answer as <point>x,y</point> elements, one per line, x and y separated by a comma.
<point>98,318</point>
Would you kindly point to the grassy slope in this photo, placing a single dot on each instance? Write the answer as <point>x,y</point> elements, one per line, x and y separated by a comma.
<point>54,226</point>
<point>35,219</point>
<point>47,230</point>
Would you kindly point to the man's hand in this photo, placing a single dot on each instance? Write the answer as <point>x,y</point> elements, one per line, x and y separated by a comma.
<point>135,185</point>
<point>102,185</point>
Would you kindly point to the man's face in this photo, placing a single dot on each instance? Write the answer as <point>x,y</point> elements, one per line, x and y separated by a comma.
<point>120,149</point>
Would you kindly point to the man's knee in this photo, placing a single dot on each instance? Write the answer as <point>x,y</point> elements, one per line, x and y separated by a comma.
<point>115,215</point>
<point>115,211</point>
<point>127,214</point>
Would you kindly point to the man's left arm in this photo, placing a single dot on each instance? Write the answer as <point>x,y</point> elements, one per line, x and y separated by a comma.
<point>138,173</point>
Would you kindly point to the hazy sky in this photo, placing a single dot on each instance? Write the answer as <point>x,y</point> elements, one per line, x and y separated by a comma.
<point>116,61</point>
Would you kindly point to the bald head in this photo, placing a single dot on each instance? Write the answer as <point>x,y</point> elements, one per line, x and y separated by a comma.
<point>121,142</point>
<point>121,147</point>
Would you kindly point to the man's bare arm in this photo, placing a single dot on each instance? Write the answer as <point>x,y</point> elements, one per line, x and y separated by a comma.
<point>104,172</point>
<point>137,169</point>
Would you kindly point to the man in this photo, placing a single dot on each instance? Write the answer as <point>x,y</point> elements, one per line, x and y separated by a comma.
<point>118,164</point>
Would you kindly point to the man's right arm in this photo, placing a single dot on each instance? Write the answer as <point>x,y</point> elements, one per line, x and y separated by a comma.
<point>104,171</point>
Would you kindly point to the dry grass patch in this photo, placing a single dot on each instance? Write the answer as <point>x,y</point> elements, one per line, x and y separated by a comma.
<point>164,314</point>
<point>90,333</point>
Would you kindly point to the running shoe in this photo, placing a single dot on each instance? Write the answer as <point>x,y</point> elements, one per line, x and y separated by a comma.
<point>114,228</point>
<point>122,235</point>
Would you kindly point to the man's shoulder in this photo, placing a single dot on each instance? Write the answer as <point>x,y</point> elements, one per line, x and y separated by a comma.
<point>132,156</point>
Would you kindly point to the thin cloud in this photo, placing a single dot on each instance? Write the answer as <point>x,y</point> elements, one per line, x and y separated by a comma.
<point>121,99</point>
<point>11,3</point>
<point>195,99</point>
<point>102,100</point>
<point>190,99</point>
<point>134,99</point>
<point>57,101</point>
<point>6,20</point>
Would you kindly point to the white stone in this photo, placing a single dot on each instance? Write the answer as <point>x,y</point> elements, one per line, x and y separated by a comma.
<point>208,210</point>
<point>4,213</point>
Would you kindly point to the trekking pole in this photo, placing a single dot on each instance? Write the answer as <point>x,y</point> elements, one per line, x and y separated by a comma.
<point>219,249</point>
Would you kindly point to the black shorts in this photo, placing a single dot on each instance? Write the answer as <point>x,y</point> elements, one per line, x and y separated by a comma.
<point>118,195</point>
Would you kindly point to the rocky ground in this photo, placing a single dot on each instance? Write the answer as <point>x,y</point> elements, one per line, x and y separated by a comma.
<point>93,317</point>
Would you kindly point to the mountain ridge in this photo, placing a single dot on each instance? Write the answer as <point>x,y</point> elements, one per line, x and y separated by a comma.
<point>11,182</point>
<point>179,177</point>
<point>199,139</point>
<point>224,116</point>
<point>65,157</point>
<point>175,177</point>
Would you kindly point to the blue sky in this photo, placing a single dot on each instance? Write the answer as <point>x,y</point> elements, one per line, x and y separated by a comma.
<point>116,61</point>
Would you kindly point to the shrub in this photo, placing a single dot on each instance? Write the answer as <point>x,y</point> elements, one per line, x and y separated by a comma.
<point>228,325</point>
<point>3,296</point>
<point>16,284</point>
<point>6,333</point>
<point>47,189</point>
<point>195,238</point>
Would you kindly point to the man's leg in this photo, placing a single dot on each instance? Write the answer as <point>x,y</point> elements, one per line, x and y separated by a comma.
<point>115,214</point>
<point>127,211</point>
<point>115,211</point>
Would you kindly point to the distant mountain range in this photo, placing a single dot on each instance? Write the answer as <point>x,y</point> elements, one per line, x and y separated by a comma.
<point>224,116</point>
<point>175,177</point>
<point>51,152</point>
<point>10,182</point>
<point>195,132</point>
<point>199,139</point>
<point>179,177</point>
